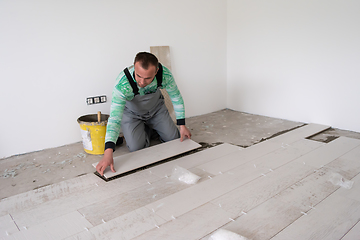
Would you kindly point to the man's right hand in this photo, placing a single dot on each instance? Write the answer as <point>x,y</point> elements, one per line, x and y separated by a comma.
<point>106,161</point>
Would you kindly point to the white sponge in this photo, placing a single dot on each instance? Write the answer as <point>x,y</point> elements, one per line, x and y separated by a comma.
<point>223,234</point>
<point>183,175</point>
<point>339,180</point>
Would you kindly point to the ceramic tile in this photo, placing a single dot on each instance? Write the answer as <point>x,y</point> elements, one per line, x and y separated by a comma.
<point>149,155</point>
<point>195,159</point>
<point>193,225</point>
<point>329,152</point>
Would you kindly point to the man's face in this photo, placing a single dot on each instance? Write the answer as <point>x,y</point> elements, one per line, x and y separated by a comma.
<point>144,77</point>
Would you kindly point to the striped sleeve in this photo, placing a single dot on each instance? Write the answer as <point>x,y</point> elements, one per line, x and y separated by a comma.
<point>170,86</point>
<point>121,92</point>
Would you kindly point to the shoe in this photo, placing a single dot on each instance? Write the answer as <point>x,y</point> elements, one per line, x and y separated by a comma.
<point>119,141</point>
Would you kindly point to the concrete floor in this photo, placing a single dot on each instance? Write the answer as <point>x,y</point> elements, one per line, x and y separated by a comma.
<point>34,170</point>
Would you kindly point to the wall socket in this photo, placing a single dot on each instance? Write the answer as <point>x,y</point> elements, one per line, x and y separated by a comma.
<point>95,100</point>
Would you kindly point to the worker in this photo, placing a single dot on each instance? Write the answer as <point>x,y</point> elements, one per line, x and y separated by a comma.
<point>138,107</point>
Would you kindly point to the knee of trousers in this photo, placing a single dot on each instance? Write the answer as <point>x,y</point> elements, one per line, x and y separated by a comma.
<point>171,136</point>
<point>137,145</point>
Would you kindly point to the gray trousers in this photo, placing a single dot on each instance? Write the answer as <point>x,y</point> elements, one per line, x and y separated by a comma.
<point>144,114</point>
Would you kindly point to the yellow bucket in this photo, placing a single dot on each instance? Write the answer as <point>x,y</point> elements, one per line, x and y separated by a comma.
<point>93,130</point>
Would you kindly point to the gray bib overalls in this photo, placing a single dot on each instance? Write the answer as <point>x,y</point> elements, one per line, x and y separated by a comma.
<point>146,113</point>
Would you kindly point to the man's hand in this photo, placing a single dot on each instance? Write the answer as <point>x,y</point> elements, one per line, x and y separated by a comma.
<point>184,132</point>
<point>106,161</point>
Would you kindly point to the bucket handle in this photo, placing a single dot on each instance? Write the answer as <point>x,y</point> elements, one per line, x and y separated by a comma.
<point>99,116</point>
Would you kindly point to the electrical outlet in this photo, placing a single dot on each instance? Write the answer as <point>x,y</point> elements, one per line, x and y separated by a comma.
<point>95,100</point>
<point>89,101</point>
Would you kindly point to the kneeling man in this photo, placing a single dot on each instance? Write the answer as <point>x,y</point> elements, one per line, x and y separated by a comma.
<point>138,107</point>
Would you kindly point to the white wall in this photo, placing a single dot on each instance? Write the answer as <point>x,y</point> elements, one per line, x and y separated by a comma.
<point>297,60</point>
<point>55,54</point>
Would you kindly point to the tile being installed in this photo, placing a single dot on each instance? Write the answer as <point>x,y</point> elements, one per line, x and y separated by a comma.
<point>149,155</point>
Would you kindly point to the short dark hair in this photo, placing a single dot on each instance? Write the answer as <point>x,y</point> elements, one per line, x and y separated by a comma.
<point>146,59</point>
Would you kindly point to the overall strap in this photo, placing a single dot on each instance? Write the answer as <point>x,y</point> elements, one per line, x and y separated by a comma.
<point>159,75</point>
<point>132,82</point>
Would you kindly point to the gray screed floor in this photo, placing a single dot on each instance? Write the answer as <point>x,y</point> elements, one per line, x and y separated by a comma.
<point>45,189</point>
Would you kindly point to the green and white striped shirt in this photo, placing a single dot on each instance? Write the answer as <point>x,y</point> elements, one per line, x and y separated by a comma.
<point>123,92</point>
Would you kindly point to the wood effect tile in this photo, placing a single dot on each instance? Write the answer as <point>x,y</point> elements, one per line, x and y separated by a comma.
<point>17,236</point>
<point>316,192</point>
<point>354,232</point>
<point>302,196</point>
<point>348,164</point>
<point>193,225</point>
<point>313,189</point>
<point>256,192</point>
<point>57,228</point>
<point>265,220</point>
<point>146,156</point>
<point>269,161</point>
<point>201,193</point>
<point>7,226</point>
<point>57,207</point>
<point>195,159</point>
<point>235,159</point>
<point>308,192</point>
<point>128,225</point>
<point>354,192</point>
<point>163,54</point>
<point>123,203</point>
<point>31,199</point>
<point>84,235</point>
<point>329,152</point>
<point>300,133</point>
<point>221,184</point>
<point>287,154</point>
<point>261,149</point>
<point>289,180</point>
<point>331,219</point>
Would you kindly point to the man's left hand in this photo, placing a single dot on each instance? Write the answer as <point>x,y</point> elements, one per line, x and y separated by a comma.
<point>184,132</point>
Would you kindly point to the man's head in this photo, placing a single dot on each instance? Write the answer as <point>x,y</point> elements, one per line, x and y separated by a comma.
<point>146,67</point>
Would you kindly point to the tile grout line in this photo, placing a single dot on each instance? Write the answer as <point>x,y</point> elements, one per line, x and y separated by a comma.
<point>350,229</point>
<point>14,222</point>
